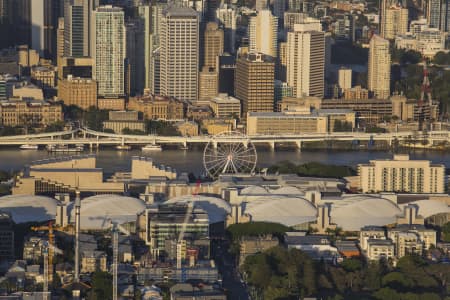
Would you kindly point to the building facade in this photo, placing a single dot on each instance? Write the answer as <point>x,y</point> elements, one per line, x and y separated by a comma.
<point>263,29</point>
<point>77,27</point>
<point>81,92</point>
<point>401,175</point>
<point>213,45</point>
<point>306,60</point>
<point>379,67</point>
<point>32,113</point>
<point>395,22</point>
<point>254,82</point>
<point>158,107</point>
<point>179,56</point>
<point>109,51</point>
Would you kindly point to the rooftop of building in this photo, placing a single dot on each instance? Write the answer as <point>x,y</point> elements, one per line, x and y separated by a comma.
<point>180,11</point>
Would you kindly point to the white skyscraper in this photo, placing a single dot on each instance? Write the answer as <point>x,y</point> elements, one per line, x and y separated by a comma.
<point>345,79</point>
<point>263,30</point>
<point>226,17</point>
<point>379,70</point>
<point>109,50</point>
<point>306,60</point>
<point>179,62</point>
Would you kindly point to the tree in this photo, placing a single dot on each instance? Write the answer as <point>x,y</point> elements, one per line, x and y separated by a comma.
<point>101,286</point>
<point>57,126</point>
<point>445,230</point>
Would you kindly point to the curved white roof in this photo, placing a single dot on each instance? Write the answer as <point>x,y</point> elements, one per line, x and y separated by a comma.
<point>287,190</point>
<point>428,208</point>
<point>254,190</point>
<point>216,208</point>
<point>288,211</point>
<point>96,212</point>
<point>360,211</point>
<point>29,208</point>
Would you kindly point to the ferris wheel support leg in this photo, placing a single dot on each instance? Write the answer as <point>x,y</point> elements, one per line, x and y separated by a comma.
<point>214,144</point>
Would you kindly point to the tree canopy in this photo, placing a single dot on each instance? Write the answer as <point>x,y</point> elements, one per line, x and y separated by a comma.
<point>312,169</point>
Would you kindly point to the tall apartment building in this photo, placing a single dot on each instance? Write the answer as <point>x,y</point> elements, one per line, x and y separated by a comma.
<point>226,17</point>
<point>263,29</point>
<point>379,69</point>
<point>108,51</point>
<point>77,35</point>
<point>395,22</point>
<point>179,56</point>
<point>254,82</point>
<point>6,237</point>
<point>213,45</point>
<point>306,60</point>
<point>401,175</point>
<point>81,92</point>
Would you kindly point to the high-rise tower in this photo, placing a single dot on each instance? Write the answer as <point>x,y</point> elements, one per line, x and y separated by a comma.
<point>179,53</point>
<point>306,60</point>
<point>379,70</point>
<point>108,50</point>
<point>263,30</point>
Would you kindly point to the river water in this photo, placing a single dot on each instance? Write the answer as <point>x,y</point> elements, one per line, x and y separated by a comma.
<point>191,160</point>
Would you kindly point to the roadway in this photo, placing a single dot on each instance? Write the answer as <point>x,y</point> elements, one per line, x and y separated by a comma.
<point>94,138</point>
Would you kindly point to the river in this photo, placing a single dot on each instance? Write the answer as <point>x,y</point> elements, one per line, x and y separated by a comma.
<point>191,160</point>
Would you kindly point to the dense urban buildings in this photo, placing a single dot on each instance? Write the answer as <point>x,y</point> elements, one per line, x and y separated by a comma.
<point>213,97</point>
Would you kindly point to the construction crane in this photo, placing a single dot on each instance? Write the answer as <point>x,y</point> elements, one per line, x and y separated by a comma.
<point>189,210</point>
<point>115,228</point>
<point>49,249</point>
<point>425,91</point>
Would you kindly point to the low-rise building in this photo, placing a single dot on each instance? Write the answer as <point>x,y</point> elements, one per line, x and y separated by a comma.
<point>198,112</point>
<point>155,107</point>
<point>111,103</point>
<point>185,291</point>
<point>225,106</point>
<point>380,249</point>
<point>187,128</point>
<point>427,41</point>
<point>298,122</point>
<point>92,261</point>
<point>44,77</point>
<point>30,113</point>
<point>26,90</point>
<point>316,246</point>
<point>251,245</point>
<point>347,248</point>
<point>120,120</point>
<point>370,233</point>
<point>78,91</point>
<point>401,175</point>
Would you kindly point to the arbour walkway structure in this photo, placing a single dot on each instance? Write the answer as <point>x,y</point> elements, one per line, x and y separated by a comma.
<point>95,138</point>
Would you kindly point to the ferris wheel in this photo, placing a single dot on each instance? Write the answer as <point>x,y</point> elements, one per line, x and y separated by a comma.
<point>229,153</point>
